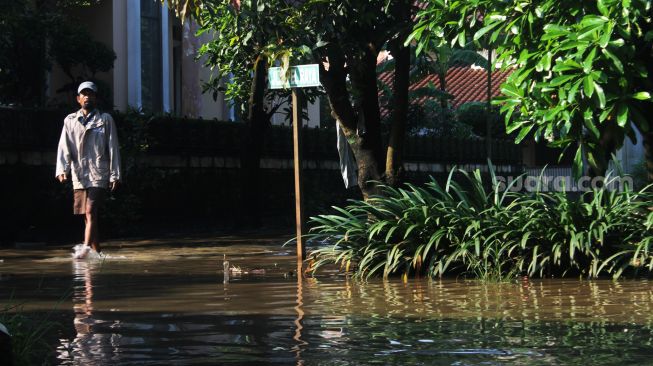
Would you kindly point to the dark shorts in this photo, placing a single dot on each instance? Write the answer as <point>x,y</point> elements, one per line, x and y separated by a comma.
<point>89,199</point>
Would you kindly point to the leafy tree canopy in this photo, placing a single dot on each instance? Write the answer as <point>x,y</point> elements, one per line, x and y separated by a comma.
<point>581,68</point>
<point>36,34</point>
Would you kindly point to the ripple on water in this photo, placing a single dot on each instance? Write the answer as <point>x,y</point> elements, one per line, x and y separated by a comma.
<point>169,304</point>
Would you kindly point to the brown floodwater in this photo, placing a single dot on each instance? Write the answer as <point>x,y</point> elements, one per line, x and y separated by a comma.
<point>169,302</point>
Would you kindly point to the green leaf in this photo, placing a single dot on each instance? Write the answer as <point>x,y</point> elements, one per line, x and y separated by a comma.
<point>555,30</point>
<point>577,168</point>
<point>538,12</point>
<point>545,63</point>
<point>593,21</point>
<point>523,56</point>
<point>622,115</point>
<point>523,133</point>
<point>607,34</point>
<point>496,18</point>
<point>600,94</point>
<point>591,159</point>
<point>588,121</point>
<point>642,96</point>
<point>617,63</point>
<point>481,32</point>
<point>568,64</point>
<point>561,80</point>
<point>588,85</point>
<point>604,115</point>
<point>617,42</point>
<point>602,8</point>
<point>511,91</point>
<point>568,45</point>
<point>571,97</point>
<point>587,63</point>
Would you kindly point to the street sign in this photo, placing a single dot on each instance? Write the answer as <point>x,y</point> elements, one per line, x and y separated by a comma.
<point>300,76</point>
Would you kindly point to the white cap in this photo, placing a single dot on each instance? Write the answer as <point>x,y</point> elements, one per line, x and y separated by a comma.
<point>87,85</point>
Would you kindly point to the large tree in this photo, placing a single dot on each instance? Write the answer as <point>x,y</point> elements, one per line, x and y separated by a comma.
<point>344,38</point>
<point>582,69</point>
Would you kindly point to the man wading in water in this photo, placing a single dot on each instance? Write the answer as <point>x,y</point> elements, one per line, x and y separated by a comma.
<point>88,148</point>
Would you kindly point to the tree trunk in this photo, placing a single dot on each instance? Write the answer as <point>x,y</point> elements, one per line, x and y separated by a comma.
<point>371,160</point>
<point>361,125</point>
<point>394,156</point>
<point>254,136</point>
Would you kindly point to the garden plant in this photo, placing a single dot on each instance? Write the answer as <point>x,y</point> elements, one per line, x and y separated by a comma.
<point>488,231</point>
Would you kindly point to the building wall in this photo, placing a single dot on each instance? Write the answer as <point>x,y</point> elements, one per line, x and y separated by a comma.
<point>312,110</point>
<point>117,24</point>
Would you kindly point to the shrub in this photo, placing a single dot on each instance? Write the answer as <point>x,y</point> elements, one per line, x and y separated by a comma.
<point>29,335</point>
<point>471,229</point>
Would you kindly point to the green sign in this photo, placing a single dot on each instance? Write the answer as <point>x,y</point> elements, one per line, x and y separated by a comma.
<point>301,76</point>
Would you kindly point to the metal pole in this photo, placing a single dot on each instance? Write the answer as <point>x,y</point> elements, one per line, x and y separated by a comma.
<point>297,105</point>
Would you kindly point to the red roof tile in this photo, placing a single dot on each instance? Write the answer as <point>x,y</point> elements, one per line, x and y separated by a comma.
<point>466,84</point>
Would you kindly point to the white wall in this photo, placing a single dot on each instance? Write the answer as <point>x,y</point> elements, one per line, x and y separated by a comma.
<point>312,109</point>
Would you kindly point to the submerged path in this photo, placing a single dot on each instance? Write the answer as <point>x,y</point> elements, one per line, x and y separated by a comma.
<point>167,301</point>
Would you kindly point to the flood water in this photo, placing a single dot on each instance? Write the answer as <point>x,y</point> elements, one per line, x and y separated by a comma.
<point>167,302</point>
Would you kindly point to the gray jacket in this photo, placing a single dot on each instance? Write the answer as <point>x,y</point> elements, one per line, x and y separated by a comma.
<point>90,152</point>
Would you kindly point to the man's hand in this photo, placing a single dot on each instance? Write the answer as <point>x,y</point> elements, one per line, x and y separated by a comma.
<point>63,178</point>
<point>113,185</point>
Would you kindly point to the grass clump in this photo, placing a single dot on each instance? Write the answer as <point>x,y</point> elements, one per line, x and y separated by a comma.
<point>29,336</point>
<point>487,231</point>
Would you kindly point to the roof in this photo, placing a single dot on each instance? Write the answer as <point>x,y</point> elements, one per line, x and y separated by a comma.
<point>465,83</point>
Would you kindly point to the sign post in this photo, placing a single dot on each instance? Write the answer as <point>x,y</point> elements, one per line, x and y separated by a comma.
<point>297,103</point>
<point>302,76</point>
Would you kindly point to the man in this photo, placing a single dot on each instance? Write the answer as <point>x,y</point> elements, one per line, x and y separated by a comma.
<point>88,152</point>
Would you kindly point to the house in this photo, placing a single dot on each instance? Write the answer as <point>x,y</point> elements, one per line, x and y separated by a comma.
<point>155,67</point>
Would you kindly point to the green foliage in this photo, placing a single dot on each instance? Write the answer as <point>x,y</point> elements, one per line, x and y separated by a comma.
<point>242,35</point>
<point>34,36</point>
<point>29,335</point>
<point>428,118</point>
<point>73,48</point>
<point>489,233</point>
<point>475,115</point>
<point>432,116</point>
<point>581,67</point>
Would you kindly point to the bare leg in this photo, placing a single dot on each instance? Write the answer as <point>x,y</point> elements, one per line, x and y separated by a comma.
<point>91,232</point>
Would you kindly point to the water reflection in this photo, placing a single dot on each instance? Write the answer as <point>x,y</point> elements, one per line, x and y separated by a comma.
<point>151,310</point>
<point>88,346</point>
<point>300,343</point>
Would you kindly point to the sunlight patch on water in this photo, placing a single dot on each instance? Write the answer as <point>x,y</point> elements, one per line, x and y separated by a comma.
<point>167,302</point>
